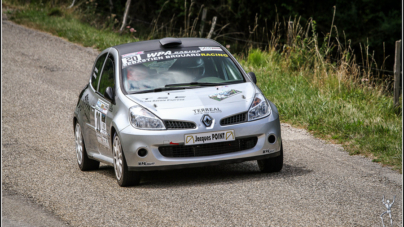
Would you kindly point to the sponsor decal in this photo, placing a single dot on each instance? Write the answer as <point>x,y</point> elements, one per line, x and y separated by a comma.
<point>187,52</point>
<point>189,139</point>
<point>95,69</point>
<point>230,135</point>
<point>267,151</point>
<point>95,76</point>
<point>102,106</point>
<point>103,125</point>
<point>158,54</point>
<point>224,94</point>
<point>100,126</point>
<point>174,143</point>
<point>165,99</point>
<point>207,110</point>
<point>214,55</point>
<point>136,58</point>
<point>145,163</point>
<point>142,57</point>
<point>132,54</point>
<point>102,140</point>
<point>183,55</point>
<point>210,137</point>
<point>210,49</point>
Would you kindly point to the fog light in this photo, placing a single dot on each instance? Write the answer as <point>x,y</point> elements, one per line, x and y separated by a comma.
<point>142,152</point>
<point>271,139</point>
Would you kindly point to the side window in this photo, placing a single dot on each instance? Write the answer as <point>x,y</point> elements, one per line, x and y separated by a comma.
<point>107,78</point>
<point>97,71</point>
<point>230,70</point>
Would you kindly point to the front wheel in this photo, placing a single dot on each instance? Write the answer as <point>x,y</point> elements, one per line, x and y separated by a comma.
<point>270,165</point>
<point>122,174</point>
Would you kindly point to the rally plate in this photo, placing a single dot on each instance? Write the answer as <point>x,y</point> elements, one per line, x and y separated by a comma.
<point>209,137</point>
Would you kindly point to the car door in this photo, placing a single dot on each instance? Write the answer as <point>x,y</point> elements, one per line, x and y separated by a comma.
<point>104,109</point>
<point>91,98</point>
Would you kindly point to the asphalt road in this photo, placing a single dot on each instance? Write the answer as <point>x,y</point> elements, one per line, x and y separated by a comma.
<point>320,185</point>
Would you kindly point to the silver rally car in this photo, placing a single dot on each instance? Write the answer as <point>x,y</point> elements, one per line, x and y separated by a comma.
<point>173,103</point>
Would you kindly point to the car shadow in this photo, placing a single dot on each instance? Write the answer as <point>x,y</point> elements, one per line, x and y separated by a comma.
<point>220,174</point>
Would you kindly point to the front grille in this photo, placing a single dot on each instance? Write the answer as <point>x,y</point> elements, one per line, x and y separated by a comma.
<point>208,149</point>
<point>235,119</point>
<point>179,125</point>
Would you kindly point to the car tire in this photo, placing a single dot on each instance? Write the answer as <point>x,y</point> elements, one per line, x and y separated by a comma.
<point>85,164</point>
<point>270,165</point>
<point>123,176</point>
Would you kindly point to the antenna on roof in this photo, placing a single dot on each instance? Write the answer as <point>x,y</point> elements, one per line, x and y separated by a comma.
<point>170,42</point>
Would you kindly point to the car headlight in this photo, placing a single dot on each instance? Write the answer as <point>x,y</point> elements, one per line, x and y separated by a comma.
<point>259,108</point>
<point>143,119</point>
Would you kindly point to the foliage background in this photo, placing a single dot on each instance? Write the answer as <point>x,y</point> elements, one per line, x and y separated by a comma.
<point>369,22</point>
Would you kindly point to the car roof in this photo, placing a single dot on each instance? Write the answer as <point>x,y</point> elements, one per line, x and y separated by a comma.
<point>156,45</point>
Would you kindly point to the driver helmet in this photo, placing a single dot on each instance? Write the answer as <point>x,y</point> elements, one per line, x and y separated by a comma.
<point>193,66</point>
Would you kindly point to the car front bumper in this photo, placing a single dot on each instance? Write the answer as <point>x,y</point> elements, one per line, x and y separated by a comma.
<point>133,140</point>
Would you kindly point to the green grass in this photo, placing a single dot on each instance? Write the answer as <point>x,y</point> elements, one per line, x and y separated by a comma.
<point>308,92</point>
<point>66,25</point>
<point>364,120</point>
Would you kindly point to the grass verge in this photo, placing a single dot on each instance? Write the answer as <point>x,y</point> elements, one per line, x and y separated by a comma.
<point>363,119</point>
<point>308,92</point>
<point>62,22</point>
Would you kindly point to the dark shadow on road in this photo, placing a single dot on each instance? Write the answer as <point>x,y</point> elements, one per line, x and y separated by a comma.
<point>220,174</point>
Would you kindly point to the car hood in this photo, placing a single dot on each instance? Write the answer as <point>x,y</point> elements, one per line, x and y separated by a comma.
<point>186,104</point>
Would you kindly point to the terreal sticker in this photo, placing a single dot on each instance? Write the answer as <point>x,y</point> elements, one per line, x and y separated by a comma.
<point>207,110</point>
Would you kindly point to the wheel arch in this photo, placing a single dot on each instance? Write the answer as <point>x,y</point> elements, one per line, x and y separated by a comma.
<point>113,131</point>
<point>74,122</point>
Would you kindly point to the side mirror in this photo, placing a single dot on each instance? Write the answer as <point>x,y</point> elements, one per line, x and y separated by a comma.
<point>109,94</point>
<point>253,77</point>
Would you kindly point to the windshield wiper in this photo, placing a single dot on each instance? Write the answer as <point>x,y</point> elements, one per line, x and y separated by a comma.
<point>159,89</point>
<point>196,83</point>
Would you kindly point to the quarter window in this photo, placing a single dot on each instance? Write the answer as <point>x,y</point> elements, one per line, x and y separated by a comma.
<point>107,78</point>
<point>95,76</point>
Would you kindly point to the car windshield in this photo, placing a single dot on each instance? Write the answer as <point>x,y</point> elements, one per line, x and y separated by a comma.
<point>178,69</point>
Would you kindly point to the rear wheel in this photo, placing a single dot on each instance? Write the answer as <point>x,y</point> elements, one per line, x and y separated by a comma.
<point>84,162</point>
<point>270,165</point>
<point>122,174</point>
